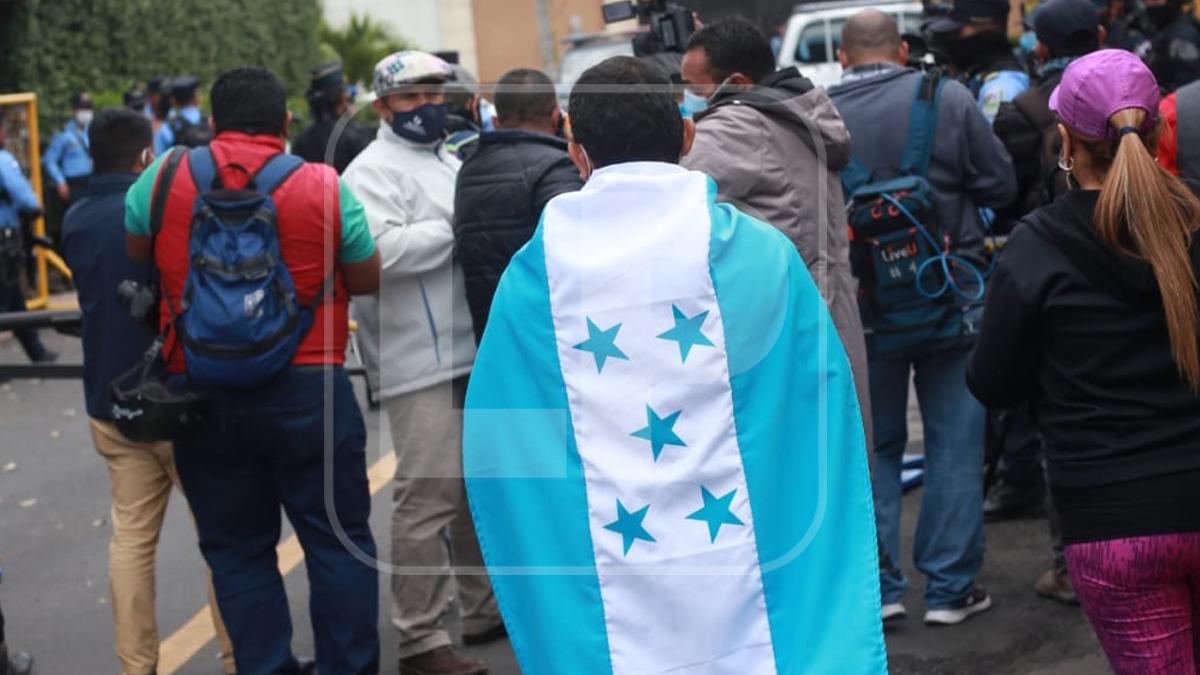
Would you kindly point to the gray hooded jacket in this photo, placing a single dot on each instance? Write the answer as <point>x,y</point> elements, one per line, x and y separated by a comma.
<point>774,152</point>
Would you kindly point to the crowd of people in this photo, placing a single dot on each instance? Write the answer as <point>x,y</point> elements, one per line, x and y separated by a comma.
<point>1021,255</point>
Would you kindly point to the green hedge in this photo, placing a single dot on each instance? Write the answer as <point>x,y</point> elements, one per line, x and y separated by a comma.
<point>54,47</point>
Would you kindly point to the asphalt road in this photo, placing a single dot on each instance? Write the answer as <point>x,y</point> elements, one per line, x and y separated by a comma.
<point>54,530</point>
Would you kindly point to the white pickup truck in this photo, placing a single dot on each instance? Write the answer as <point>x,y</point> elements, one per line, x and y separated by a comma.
<point>814,31</point>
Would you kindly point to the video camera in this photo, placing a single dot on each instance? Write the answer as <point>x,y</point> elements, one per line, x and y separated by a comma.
<point>670,24</point>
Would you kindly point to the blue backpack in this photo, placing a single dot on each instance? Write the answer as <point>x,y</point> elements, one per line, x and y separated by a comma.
<point>900,254</point>
<point>239,321</point>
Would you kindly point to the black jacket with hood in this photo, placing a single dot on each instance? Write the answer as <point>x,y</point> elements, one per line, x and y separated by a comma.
<point>1080,328</point>
<point>501,191</point>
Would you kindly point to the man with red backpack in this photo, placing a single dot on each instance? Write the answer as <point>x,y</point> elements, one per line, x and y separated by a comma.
<point>257,254</point>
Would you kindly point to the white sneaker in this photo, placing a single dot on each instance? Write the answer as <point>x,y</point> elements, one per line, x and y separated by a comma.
<point>893,611</point>
<point>976,601</point>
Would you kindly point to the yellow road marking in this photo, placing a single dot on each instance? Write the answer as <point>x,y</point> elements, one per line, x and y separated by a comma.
<point>198,631</point>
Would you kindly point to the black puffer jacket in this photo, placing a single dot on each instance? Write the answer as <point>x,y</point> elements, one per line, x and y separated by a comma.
<point>498,201</point>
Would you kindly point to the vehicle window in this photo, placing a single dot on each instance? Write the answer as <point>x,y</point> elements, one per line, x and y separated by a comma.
<point>909,22</point>
<point>820,39</point>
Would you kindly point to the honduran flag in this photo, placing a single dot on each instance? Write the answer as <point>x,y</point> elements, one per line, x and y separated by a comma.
<point>664,455</point>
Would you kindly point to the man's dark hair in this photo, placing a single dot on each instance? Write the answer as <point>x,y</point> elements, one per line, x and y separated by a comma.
<point>525,95</point>
<point>248,99</point>
<point>622,110</point>
<point>735,45</point>
<point>116,139</point>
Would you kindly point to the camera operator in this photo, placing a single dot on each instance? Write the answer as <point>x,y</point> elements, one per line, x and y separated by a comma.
<point>142,474</point>
<point>18,207</point>
<point>328,100</point>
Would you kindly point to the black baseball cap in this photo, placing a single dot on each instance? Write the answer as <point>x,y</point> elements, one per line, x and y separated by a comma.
<point>1067,27</point>
<point>155,84</point>
<point>81,100</point>
<point>327,77</point>
<point>184,86</point>
<point>135,98</point>
<point>947,16</point>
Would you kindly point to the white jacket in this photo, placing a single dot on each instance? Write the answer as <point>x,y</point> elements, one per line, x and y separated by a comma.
<point>416,331</point>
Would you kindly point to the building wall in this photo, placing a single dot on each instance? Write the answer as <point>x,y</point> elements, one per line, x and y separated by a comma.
<point>431,25</point>
<point>507,37</point>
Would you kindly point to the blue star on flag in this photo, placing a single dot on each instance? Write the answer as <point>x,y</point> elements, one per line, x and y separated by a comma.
<point>715,512</point>
<point>602,344</point>
<point>687,332</point>
<point>660,431</point>
<point>629,525</point>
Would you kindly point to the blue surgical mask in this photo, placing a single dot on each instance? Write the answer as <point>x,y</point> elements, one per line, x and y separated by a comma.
<point>692,104</point>
<point>423,124</point>
<point>1028,41</point>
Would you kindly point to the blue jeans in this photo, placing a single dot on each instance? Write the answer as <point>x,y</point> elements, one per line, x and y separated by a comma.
<point>948,546</point>
<point>262,450</point>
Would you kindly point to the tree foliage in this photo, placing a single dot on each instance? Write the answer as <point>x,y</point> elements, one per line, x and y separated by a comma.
<point>361,43</point>
<point>54,47</point>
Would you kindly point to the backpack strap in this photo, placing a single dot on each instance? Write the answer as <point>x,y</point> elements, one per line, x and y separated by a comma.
<point>1187,130</point>
<point>203,165</point>
<point>274,172</point>
<point>1034,104</point>
<point>922,124</point>
<point>854,175</point>
<point>162,188</point>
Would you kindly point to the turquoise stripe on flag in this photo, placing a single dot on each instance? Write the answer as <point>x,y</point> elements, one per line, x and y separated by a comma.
<point>522,468</point>
<point>813,514</point>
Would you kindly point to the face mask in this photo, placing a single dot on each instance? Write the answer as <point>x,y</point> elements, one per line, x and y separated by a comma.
<point>1163,15</point>
<point>591,168</point>
<point>1028,41</point>
<point>717,92</point>
<point>83,117</point>
<point>692,104</point>
<point>967,52</point>
<point>423,124</point>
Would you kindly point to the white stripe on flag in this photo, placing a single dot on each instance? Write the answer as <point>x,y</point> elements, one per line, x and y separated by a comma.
<point>632,250</point>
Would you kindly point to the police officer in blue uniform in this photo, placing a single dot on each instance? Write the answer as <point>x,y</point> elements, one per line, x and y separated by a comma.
<point>972,35</point>
<point>18,206</point>
<point>67,160</point>
<point>186,124</point>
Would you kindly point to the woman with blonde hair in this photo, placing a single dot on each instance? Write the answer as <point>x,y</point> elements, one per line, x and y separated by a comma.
<point>1092,313</point>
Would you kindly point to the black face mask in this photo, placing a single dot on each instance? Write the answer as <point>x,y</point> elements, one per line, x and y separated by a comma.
<point>971,51</point>
<point>1163,15</point>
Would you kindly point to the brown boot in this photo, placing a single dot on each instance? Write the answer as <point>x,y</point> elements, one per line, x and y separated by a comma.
<point>442,661</point>
<point>1056,585</point>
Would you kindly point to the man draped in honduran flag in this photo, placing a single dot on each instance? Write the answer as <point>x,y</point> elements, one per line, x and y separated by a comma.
<point>663,452</point>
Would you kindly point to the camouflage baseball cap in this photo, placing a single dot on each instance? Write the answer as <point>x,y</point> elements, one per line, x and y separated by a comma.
<point>404,68</point>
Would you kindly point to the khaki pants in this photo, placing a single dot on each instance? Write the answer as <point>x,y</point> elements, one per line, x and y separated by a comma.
<point>142,475</point>
<point>430,503</point>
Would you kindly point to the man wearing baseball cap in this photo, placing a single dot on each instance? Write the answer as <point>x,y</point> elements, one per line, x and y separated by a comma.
<point>971,34</point>
<point>328,100</point>
<point>186,125</point>
<point>67,160</point>
<point>418,344</point>
<point>1066,30</point>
